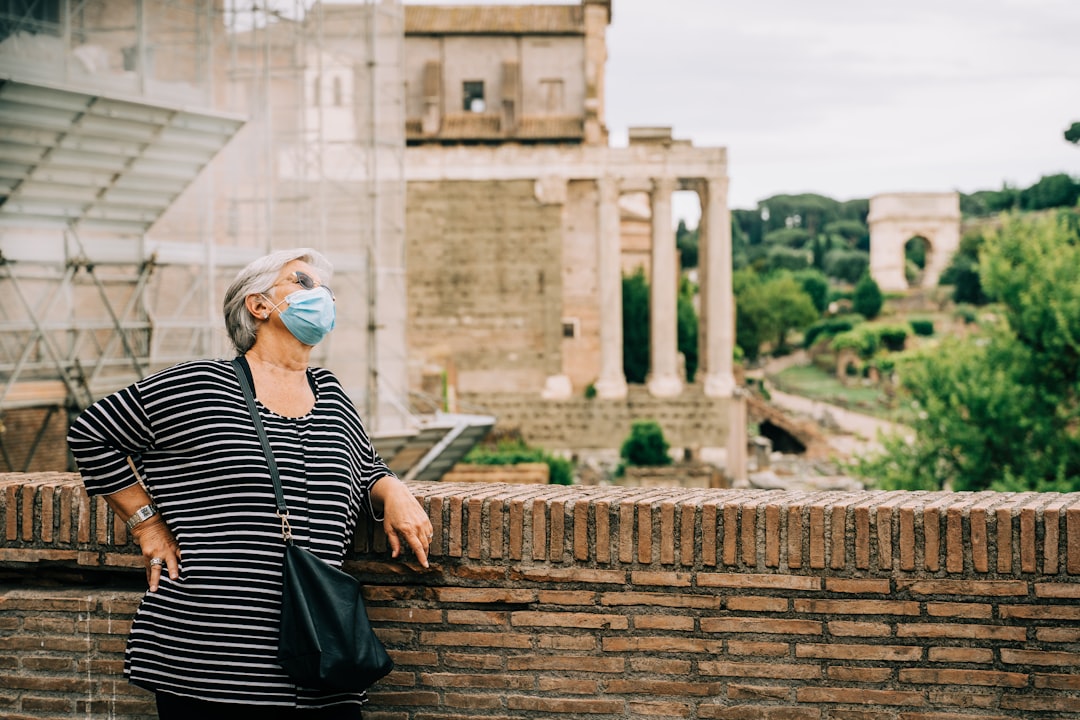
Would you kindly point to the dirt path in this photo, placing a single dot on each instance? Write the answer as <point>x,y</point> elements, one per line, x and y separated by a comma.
<point>851,433</point>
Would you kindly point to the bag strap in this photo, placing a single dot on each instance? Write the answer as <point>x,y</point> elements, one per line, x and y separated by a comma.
<point>249,396</point>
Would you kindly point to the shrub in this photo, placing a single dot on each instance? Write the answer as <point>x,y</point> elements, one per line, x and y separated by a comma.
<point>515,451</point>
<point>816,285</point>
<point>867,298</point>
<point>892,337</point>
<point>925,328</point>
<point>645,445</point>
<point>846,265</point>
<point>826,329</point>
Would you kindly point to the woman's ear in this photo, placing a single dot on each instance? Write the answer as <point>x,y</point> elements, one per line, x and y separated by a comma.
<point>258,306</point>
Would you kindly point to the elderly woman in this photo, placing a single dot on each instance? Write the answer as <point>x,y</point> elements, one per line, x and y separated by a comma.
<point>204,638</point>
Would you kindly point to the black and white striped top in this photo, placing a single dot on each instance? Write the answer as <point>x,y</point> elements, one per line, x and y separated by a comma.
<point>212,634</point>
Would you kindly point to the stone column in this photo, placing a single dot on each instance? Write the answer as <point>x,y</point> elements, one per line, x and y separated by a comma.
<point>719,299</point>
<point>664,378</point>
<point>612,380</point>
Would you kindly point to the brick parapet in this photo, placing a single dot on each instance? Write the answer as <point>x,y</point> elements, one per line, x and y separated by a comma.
<point>609,602</point>
<point>48,517</point>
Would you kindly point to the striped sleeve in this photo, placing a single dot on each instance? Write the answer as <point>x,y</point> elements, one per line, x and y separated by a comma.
<point>105,435</point>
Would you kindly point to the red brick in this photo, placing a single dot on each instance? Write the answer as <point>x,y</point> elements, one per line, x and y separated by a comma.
<point>602,513</point>
<point>538,514</point>
<point>757,712</point>
<point>1058,590</point>
<point>932,549</point>
<point>470,661</point>
<point>567,597</point>
<point>575,575</point>
<point>859,696</point>
<point>1052,613</point>
<point>754,603</point>
<point>662,644</point>
<point>1072,540</point>
<point>581,530</point>
<point>471,701</point>
<point>748,526</point>
<point>455,543</point>
<point>838,534</point>
<point>708,534</point>
<point>568,685</point>
<point>817,534</point>
<point>667,533</point>
<point>738,691</point>
<point>500,681</point>
<point>476,639</point>
<point>907,531</point>
<point>846,628</point>
<point>484,595</point>
<point>567,662</point>
<point>988,678</point>
<point>591,706</point>
<point>1066,635</point>
<point>659,709</point>
<point>453,617</point>
<point>962,631</point>
<point>838,651</point>
<point>731,533</point>
<point>846,673</point>
<point>687,545</point>
<point>1052,518</point>
<point>776,670</point>
<point>664,579</point>
<point>773,626</point>
<point>658,666</point>
<point>679,623</point>
<point>795,537</point>
<point>495,528</point>
<point>981,656</point>
<point>594,621</point>
<point>857,607</point>
<point>861,587</point>
<point>976,611</point>
<point>1010,656</point>
<point>661,600</point>
<point>626,531</point>
<point>517,529</point>
<point>766,649</point>
<point>1057,682</point>
<point>747,580</point>
<point>992,588</point>
<point>1044,704</point>
<point>677,688</point>
<point>772,535</point>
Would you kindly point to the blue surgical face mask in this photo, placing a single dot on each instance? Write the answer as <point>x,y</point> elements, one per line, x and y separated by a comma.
<point>310,314</point>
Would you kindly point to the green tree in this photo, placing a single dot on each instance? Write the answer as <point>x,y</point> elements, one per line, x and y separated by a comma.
<point>767,310</point>
<point>867,299</point>
<point>816,286</point>
<point>1050,191</point>
<point>846,265</point>
<point>687,325</point>
<point>687,243</point>
<point>1001,410</point>
<point>1073,133</point>
<point>635,301</point>
<point>645,445</point>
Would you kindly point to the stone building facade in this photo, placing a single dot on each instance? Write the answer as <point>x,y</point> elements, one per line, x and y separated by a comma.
<point>517,233</point>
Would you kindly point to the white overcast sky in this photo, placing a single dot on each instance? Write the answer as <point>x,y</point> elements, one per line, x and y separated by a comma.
<point>848,98</point>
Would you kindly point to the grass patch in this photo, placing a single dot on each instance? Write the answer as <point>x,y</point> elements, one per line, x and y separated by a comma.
<point>814,383</point>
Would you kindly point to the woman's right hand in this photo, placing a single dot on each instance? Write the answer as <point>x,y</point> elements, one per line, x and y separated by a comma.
<point>159,549</point>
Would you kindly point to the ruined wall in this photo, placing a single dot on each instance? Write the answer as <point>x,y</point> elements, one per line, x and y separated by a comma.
<point>690,420</point>
<point>607,603</point>
<point>484,284</point>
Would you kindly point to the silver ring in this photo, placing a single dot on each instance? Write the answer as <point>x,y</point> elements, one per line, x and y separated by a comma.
<point>157,561</point>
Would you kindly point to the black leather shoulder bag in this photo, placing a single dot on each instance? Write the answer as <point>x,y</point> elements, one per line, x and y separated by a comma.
<point>326,641</point>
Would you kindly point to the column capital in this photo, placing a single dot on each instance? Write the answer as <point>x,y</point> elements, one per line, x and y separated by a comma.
<point>664,184</point>
<point>609,188</point>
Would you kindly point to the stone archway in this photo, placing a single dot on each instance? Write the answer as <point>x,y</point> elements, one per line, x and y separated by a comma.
<point>897,218</point>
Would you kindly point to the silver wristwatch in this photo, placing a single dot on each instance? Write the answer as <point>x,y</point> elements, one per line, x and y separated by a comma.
<point>144,513</point>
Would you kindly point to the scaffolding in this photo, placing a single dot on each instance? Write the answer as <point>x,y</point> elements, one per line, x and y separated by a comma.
<point>151,148</point>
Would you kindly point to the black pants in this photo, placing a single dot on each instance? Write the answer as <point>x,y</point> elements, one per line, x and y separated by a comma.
<point>175,707</point>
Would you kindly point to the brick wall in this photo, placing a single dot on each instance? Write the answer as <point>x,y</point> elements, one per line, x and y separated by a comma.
<point>485,283</point>
<point>598,602</point>
<point>688,420</point>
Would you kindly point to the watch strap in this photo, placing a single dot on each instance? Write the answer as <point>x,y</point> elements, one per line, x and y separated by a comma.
<point>144,513</point>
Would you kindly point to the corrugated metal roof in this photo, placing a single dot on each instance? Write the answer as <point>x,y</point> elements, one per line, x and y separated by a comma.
<point>70,157</point>
<point>495,20</point>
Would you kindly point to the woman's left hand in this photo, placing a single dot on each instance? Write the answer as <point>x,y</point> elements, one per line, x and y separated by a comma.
<point>404,520</point>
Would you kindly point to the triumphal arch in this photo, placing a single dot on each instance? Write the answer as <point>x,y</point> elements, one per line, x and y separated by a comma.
<point>896,219</point>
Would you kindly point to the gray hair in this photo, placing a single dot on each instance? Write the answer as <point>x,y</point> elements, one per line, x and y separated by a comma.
<point>258,277</point>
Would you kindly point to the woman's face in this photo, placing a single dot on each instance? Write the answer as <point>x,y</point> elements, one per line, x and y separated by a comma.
<point>295,275</point>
